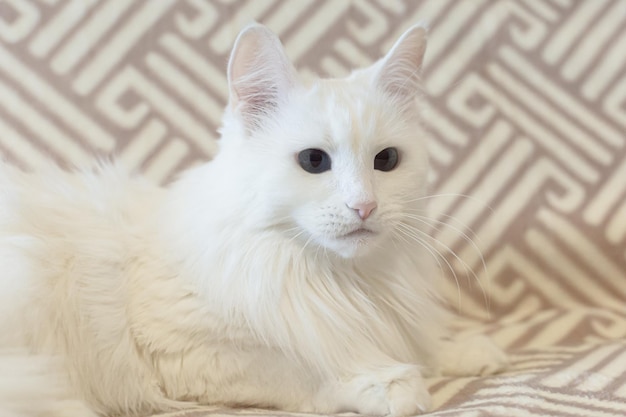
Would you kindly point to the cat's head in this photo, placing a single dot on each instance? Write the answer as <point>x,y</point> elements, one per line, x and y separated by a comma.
<point>336,164</point>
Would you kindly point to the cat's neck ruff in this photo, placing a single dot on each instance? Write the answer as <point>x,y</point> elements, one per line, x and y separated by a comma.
<point>265,284</point>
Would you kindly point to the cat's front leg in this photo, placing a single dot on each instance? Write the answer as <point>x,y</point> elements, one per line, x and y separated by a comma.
<point>394,390</point>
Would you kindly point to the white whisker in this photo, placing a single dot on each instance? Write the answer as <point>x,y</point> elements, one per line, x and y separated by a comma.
<point>470,272</point>
<point>465,236</point>
<point>409,232</point>
<point>450,195</point>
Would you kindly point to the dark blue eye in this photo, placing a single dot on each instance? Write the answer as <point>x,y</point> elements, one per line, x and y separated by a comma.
<point>386,160</point>
<point>314,161</point>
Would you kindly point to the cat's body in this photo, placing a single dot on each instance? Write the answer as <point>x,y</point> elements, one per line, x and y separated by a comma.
<point>262,278</point>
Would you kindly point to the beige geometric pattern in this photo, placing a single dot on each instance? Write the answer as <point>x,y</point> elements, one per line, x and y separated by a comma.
<point>528,147</point>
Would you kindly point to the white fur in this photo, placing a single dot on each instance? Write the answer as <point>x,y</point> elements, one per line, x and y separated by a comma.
<point>232,286</point>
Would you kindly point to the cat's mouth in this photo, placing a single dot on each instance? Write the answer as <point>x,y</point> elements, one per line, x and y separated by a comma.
<point>360,233</point>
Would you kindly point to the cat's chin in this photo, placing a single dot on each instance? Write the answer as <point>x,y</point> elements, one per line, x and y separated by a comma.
<point>353,244</point>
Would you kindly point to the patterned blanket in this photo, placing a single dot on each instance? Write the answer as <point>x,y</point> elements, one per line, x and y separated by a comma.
<point>528,149</point>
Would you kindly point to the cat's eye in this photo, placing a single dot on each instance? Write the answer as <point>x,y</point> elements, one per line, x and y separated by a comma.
<point>314,161</point>
<point>386,160</point>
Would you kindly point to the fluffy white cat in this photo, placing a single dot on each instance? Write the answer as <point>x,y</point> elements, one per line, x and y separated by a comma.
<point>289,272</point>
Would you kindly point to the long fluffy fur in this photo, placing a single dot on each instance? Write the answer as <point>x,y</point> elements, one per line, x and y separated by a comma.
<point>135,298</point>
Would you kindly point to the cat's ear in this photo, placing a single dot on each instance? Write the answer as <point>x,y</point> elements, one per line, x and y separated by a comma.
<point>260,75</point>
<point>399,72</point>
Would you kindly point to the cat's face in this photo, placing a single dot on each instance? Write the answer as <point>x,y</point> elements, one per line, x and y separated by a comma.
<point>353,165</point>
<point>339,164</point>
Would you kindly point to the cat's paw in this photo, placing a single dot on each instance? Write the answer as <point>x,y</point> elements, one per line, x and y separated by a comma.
<point>408,396</point>
<point>396,392</point>
<point>473,356</point>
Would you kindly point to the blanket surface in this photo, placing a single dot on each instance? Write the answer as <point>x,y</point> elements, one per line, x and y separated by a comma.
<point>528,149</point>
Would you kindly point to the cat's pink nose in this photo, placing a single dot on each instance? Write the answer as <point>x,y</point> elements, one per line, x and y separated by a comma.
<point>364,209</point>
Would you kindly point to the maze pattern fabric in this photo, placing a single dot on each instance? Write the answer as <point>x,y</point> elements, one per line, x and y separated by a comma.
<point>528,148</point>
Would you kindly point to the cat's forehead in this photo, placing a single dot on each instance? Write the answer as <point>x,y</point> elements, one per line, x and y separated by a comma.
<point>349,92</point>
<point>352,112</point>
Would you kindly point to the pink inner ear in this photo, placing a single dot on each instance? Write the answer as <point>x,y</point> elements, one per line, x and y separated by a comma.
<point>255,102</point>
<point>399,75</point>
<point>260,74</point>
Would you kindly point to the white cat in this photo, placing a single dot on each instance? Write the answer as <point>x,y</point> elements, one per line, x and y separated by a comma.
<point>288,272</point>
